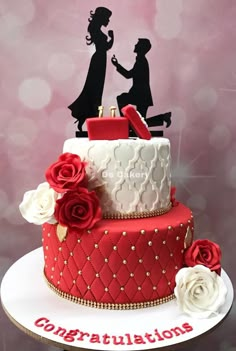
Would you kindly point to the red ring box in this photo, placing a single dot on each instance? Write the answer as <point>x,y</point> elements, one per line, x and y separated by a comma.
<point>107,128</point>
<point>135,119</point>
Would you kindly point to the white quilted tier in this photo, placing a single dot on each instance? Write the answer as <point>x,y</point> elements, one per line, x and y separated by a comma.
<point>131,175</point>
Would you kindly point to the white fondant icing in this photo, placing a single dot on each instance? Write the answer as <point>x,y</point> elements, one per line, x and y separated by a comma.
<point>134,173</point>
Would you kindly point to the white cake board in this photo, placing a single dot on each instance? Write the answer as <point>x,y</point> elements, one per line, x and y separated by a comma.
<point>26,298</point>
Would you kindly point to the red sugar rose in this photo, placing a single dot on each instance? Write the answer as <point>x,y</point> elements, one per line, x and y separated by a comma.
<point>67,174</point>
<point>204,252</point>
<point>172,196</point>
<point>78,209</point>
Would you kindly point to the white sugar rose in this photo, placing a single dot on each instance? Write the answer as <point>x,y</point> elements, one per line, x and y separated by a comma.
<point>38,205</point>
<point>199,291</point>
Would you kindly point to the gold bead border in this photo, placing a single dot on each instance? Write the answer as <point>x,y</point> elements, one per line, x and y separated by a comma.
<point>109,306</point>
<point>136,215</point>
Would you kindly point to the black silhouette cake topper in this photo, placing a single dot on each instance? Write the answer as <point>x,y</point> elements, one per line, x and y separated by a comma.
<point>140,92</point>
<point>90,98</point>
<point>86,105</point>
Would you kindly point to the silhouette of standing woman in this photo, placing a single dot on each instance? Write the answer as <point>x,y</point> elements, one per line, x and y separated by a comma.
<point>86,105</point>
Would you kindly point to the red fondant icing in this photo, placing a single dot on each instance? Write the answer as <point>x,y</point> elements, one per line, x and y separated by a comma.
<point>119,261</point>
<point>107,128</point>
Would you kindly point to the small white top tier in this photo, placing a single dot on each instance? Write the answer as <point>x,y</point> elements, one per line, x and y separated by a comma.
<point>131,175</point>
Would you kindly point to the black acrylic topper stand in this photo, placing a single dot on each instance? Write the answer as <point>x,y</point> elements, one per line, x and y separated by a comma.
<point>154,121</point>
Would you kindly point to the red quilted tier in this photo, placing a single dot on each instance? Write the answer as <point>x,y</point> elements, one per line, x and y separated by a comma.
<point>123,263</point>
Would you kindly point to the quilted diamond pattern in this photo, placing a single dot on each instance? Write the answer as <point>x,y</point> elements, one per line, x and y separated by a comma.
<point>119,261</point>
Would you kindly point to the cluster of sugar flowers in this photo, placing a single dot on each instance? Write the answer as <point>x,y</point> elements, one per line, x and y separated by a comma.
<point>200,290</point>
<point>64,198</point>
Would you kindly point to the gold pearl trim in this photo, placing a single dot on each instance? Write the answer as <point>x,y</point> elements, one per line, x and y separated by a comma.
<point>109,306</point>
<point>134,215</point>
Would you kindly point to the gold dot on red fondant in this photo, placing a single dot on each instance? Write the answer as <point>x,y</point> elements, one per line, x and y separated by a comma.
<point>106,232</point>
<point>114,275</point>
<point>71,253</point>
<point>177,238</point>
<point>150,243</point>
<point>140,260</point>
<point>97,275</point>
<point>163,242</point>
<point>181,225</point>
<point>171,254</point>
<point>60,248</point>
<point>106,289</point>
<point>124,233</point>
<point>124,261</point>
<point>169,227</point>
<point>156,257</point>
<point>169,283</point>
<point>148,274</point>
<point>51,276</point>
<point>74,281</point>
<point>46,247</point>
<point>114,247</point>
<point>89,231</point>
<point>139,288</point>
<point>55,258</point>
<point>96,246</point>
<point>142,231</point>
<point>45,257</point>
<point>88,258</point>
<point>176,267</point>
<point>88,287</point>
<point>79,241</point>
<point>106,259</point>
<point>132,248</point>
<point>61,273</point>
<point>156,230</point>
<point>42,240</point>
<point>65,262</point>
<point>122,288</point>
<point>49,234</point>
<point>53,269</point>
<point>164,271</point>
<point>154,287</point>
<point>79,272</point>
<point>131,274</point>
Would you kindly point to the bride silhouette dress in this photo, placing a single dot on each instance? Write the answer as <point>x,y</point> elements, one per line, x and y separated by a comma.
<point>86,105</point>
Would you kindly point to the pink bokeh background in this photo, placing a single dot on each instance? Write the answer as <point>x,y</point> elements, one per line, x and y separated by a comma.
<point>43,66</point>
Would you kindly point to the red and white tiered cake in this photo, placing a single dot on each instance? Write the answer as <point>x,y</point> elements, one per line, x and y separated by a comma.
<point>130,257</point>
<point>113,234</point>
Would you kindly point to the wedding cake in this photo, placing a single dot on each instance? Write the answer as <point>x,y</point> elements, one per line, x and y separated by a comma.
<point>114,236</point>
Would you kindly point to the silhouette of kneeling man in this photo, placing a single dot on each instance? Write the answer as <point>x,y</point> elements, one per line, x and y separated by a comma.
<point>140,92</point>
